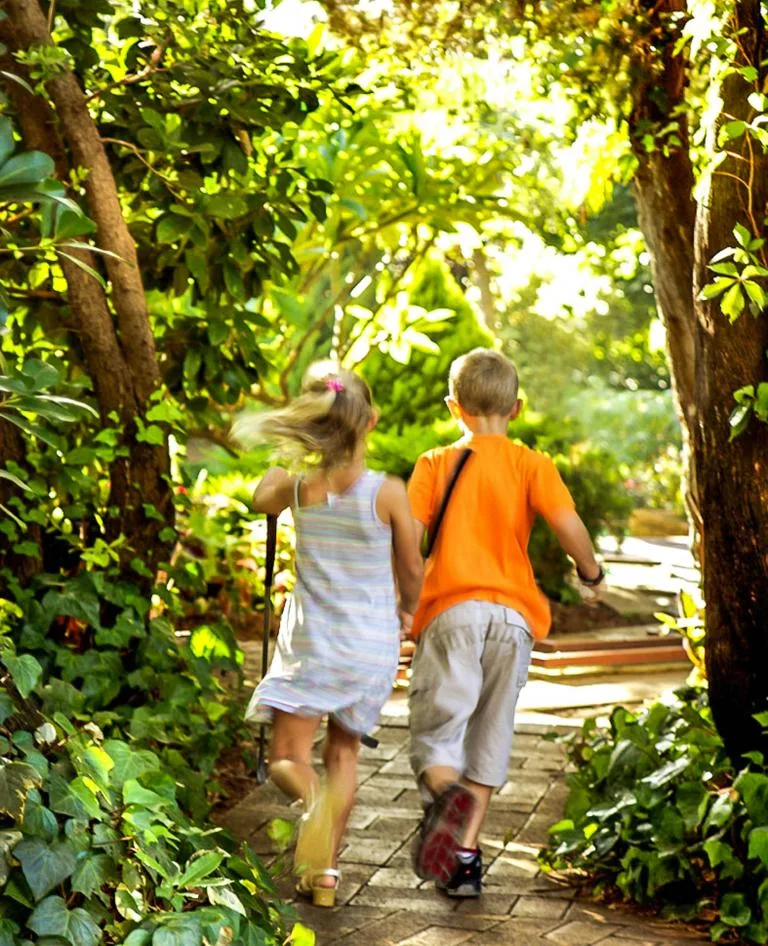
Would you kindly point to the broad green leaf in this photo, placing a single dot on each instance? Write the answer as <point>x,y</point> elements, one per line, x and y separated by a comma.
<point>34,430</point>
<point>25,671</point>
<point>28,167</point>
<point>92,873</point>
<point>129,903</point>
<point>716,288</point>
<point>226,206</point>
<point>667,772</point>
<point>7,143</point>
<point>75,603</point>
<point>52,918</point>
<point>225,896</point>
<point>45,865</point>
<point>8,841</point>
<point>200,867</point>
<point>755,293</point>
<point>733,302</point>
<point>734,910</point>
<point>86,268</point>
<point>301,936</point>
<point>16,778</point>
<point>743,236</point>
<point>753,788</point>
<point>136,794</point>
<point>184,930</point>
<point>734,129</point>
<point>130,763</point>
<point>5,475</point>
<point>739,419</point>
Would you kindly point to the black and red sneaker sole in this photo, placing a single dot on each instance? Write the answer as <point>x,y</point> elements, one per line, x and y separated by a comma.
<point>436,858</point>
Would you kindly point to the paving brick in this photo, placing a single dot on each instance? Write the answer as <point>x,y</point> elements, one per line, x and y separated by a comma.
<point>580,933</point>
<point>513,933</point>
<point>490,904</point>
<point>437,936</point>
<point>394,877</point>
<point>540,908</point>
<point>369,850</point>
<point>395,899</point>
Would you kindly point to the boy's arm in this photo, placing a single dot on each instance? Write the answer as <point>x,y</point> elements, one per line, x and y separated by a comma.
<point>407,560</point>
<point>274,493</point>
<point>549,497</point>
<point>576,542</point>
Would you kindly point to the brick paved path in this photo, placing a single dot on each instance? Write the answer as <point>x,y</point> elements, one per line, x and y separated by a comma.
<point>385,904</point>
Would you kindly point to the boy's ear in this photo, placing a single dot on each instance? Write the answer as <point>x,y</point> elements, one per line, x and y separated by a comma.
<point>373,421</point>
<point>453,406</point>
<point>516,410</point>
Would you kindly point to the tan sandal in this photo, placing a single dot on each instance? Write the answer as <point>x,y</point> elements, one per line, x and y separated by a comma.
<point>322,896</point>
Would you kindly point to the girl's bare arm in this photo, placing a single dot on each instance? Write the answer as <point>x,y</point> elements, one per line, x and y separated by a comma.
<point>274,493</point>
<point>394,509</point>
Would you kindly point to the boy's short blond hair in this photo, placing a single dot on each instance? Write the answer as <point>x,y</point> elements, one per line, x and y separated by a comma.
<point>484,383</point>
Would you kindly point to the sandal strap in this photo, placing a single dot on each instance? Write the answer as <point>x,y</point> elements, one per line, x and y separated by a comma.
<point>328,872</point>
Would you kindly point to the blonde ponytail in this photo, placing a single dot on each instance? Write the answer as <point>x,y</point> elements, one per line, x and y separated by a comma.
<point>322,426</point>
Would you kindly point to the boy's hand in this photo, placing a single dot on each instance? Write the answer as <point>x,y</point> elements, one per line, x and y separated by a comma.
<point>592,592</point>
<point>406,624</point>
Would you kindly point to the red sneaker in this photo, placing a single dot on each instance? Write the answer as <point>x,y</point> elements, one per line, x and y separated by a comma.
<point>442,833</point>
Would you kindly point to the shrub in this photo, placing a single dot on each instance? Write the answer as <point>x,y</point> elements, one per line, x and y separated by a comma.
<point>412,394</point>
<point>657,815</point>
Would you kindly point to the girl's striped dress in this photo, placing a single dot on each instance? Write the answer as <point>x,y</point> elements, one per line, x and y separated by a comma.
<point>338,647</point>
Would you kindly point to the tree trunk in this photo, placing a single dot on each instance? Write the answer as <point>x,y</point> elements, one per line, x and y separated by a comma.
<point>667,213</point>
<point>733,476</point>
<point>122,362</point>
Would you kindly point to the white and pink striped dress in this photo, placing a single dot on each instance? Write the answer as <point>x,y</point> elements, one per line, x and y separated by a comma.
<point>338,646</point>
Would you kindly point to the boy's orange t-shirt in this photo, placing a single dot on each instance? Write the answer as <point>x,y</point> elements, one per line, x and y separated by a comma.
<point>481,552</point>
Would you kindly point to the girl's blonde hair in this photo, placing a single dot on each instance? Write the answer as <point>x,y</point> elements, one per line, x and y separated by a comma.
<point>323,425</point>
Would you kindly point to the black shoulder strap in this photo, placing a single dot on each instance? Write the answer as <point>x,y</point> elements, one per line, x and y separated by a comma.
<point>432,534</point>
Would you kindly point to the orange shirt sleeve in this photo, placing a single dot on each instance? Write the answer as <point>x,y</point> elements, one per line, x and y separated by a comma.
<point>548,494</point>
<point>421,489</point>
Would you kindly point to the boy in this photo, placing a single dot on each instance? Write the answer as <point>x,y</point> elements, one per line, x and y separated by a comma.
<point>479,613</point>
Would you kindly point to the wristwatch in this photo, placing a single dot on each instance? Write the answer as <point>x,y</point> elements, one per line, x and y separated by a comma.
<point>590,582</point>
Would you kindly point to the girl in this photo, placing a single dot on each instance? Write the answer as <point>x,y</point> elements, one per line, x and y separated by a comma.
<point>337,651</point>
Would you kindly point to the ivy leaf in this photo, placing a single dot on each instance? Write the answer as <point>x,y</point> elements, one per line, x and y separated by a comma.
<point>45,865</point>
<point>734,910</point>
<point>758,844</point>
<point>26,671</point>
<point>667,772</point>
<point>52,918</point>
<point>92,873</point>
<point>200,867</point>
<point>16,778</point>
<point>73,603</point>
<point>8,840</point>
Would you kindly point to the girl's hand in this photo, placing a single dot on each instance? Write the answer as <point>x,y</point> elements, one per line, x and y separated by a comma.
<point>406,624</point>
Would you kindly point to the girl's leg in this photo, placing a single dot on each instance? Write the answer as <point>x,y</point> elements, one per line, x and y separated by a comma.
<point>290,755</point>
<point>340,757</point>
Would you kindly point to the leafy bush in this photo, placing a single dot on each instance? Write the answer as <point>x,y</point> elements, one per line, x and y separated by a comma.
<point>413,395</point>
<point>224,540</point>
<point>657,814</point>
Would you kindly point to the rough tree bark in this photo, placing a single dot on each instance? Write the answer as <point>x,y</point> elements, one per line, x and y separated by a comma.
<point>667,211</point>
<point>120,352</point>
<point>733,477</point>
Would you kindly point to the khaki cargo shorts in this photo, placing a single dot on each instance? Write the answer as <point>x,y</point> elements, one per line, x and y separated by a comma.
<point>469,668</point>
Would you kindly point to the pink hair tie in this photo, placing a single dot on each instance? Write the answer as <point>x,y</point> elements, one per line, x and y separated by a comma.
<point>334,384</point>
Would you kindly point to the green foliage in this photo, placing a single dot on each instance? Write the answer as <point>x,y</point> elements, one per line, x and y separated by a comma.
<point>414,395</point>
<point>657,813</point>
<point>97,844</point>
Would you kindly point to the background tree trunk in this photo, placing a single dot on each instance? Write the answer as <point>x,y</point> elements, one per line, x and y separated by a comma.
<point>733,477</point>
<point>667,213</point>
<point>120,353</point>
